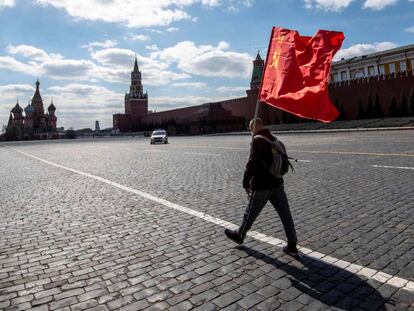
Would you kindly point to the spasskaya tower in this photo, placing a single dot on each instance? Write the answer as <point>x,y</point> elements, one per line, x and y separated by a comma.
<point>136,101</point>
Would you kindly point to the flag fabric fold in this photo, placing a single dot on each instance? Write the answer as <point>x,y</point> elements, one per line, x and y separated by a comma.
<point>296,73</point>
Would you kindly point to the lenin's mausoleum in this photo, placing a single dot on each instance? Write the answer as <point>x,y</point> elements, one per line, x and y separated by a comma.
<point>370,86</point>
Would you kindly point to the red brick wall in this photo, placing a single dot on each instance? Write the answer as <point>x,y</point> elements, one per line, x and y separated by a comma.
<point>136,107</point>
<point>350,93</point>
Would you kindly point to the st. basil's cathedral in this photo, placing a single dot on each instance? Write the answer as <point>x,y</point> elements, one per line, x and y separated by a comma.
<point>35,123</point>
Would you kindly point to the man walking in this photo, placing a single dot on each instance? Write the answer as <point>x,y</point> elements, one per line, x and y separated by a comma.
<point>262,186</point>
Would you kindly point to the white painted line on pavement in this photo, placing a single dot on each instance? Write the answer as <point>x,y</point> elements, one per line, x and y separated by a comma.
<point>203,154</point>
<point>306,161</point>
<point>350,267</point>
<point>210,147</point>
<point>161,151</point>
<point>398,167</point>
<point>375,154</point>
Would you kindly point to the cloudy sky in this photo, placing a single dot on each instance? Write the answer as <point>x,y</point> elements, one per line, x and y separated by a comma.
<point>189,51</point>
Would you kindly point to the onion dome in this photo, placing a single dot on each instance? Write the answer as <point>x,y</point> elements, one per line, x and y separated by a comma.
<point>29,109</point>
<point>51,107</point>
<point>17,109</point>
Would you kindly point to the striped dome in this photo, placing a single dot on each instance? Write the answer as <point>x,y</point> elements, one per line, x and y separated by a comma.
<point>29,109</point>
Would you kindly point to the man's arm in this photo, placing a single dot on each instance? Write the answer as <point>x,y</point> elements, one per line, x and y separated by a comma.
<point>252,164</point>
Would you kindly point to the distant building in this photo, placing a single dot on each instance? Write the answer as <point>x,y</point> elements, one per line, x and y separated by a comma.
<point>374,85</point>
<point>97,128</point>
<point>35,123</point>
<point>136,103</point>
<point>380,63</point>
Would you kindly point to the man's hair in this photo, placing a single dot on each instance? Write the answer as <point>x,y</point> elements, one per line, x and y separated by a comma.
<point>258,122</point>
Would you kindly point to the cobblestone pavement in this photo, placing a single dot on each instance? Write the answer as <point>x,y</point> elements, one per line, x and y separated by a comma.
<point>114,239</point>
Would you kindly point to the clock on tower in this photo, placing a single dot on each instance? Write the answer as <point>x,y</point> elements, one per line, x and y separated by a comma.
<point>136,88</point>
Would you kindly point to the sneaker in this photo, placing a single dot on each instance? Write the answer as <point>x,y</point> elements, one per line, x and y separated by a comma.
<point>291,250</point>
<point>234,236</point>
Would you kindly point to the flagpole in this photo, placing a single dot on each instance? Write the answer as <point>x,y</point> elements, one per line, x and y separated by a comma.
<point>256,112</point>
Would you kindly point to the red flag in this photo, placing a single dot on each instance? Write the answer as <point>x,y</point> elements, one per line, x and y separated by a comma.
<point>296,73</point>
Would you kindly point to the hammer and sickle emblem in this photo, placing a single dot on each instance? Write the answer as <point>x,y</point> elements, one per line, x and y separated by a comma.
<point>276,55</point>
<point>275,60</point>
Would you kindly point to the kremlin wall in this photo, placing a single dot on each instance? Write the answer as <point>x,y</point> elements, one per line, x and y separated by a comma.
<point>370,86</point>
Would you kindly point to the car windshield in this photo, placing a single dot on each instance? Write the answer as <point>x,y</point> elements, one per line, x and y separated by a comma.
<point>158,133</point>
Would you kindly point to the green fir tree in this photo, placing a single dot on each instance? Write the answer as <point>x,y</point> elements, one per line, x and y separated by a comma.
<point>403,106</point>
<point>378,113</point>
<point>411,103</point>
<point>361,111</point>
<point>393,112</point>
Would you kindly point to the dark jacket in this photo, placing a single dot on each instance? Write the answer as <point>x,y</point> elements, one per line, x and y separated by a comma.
<point>257,174</point>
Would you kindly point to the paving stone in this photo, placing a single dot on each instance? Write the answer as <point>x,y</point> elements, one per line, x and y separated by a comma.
<point>289,294</point>
<point>251,300</point>
<point>204,296</point>
<point>95,242</point>
<point>85,305</point>
<point>61,303</point>
<point>268,291</point>
<point>227,299</point>
<point>272,303</point>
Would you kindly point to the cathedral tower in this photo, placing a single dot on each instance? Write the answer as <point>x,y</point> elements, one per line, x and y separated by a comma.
<point>51,118</point>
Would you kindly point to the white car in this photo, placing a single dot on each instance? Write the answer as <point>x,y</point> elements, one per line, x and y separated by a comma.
<point>159,136</point>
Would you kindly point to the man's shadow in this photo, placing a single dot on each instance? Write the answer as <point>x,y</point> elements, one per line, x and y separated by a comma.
<point>328,284</point>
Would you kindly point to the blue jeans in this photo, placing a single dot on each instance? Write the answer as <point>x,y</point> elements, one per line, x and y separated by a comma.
<point>258,200</point>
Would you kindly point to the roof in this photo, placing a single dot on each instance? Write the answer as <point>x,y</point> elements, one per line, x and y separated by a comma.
<point>29,109</point>
<point>376,54</point>
<point>51,107</point>
<point>17,109</point>
<point>136,64</point>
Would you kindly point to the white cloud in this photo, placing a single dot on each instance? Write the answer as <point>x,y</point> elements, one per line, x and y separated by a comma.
<point>195,85</point>
<point>112,65</point>
<point>236,5</point>
<point>210,2</point>
<point>137,13</point>
<point>206,60</point>
<point>106,44</point>
<point>68,69</point>
<point>153,72</point>
<point>9,94</point>
<point>152,47</point>
<point>32,52</point>
<point>410,29</point>
<point>363,49</point>
<point>79,105</point>
<point>7,3</point>
<point>115,57</point>
<point>378,4</point>
<point>139,37</point>
<point>172,29</point>
<point>7,62</point>
<point>232,90</point>
<point>156,31</point>
<point>328,5</point>
<point>130,13</point>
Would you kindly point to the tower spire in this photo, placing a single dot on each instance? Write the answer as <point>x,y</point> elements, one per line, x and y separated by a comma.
<point>136,63</point>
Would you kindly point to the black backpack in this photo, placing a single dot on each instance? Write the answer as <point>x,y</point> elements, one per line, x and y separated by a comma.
<point>280,160</point>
